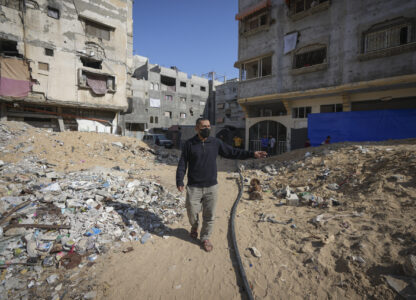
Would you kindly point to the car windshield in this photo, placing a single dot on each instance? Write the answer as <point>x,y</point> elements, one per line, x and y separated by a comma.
<point>161,137</point>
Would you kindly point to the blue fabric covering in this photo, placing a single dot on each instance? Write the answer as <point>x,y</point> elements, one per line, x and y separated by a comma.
<point>356,126</point>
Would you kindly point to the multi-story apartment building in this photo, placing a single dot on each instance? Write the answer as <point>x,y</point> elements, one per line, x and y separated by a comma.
<point>65,64</point>
<point>298,57</point>
<point>164,97</point>
<point>230,118</point>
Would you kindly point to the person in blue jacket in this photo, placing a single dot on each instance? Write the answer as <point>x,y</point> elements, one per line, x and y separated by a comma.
<point>198,157</point>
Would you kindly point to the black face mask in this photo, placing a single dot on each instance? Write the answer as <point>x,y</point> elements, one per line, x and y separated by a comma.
<point>204,133</point>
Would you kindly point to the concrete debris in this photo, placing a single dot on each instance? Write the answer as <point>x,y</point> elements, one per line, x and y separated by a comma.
<point>117,144</point>
<point>404,286</point>
<point>270,169</point>
<point>255,252</point>
<point>53,221</point>
<point>409,266</point>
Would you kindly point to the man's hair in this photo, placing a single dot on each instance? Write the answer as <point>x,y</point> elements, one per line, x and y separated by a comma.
<point>199,120</point>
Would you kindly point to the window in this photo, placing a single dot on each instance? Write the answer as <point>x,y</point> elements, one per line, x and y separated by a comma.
<point>203,88</point>
<point>90,63</point>
<point>168,97</point>
<point>156,120</point>
<point>183,115</point>
<point>169,82</point>
<point>15,4</point>
<point>331,108</point>
<point>301,112</point>
<point>99,83</point>
<point>135,127</point>
<point>151,119</point>
<point>298,6</point>
<point>43,66</point>
<point>9,48</point>
<point>234,104</point>
<point>388,37</point>
<point>53,12</point>
<point>97,30</point>
<point>168,114</point>
<point>183,84</point>
<point>48,52</point>
<point>256,69</point>
<point>309,57</point>
<point>266,66</point>
<point>259,21</point>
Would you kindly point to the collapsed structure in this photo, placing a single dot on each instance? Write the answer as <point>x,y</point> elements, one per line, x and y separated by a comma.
<point>65,64</point>
<point>298,57</point>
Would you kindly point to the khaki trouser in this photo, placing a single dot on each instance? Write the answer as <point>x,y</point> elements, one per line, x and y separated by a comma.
<point>205,198</point>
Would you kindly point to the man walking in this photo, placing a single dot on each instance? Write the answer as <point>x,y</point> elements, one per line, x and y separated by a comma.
<point>199,156</point>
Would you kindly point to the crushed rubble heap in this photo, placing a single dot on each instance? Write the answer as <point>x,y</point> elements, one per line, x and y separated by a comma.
<point>53,221</point>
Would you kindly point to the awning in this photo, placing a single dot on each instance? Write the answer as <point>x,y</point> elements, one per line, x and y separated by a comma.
<point>253,9</point>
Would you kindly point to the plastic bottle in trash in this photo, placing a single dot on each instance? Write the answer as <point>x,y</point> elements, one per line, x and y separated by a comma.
<point>145,237</point>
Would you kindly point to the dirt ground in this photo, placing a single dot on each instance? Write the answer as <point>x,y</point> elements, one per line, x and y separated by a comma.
<point>365,233</point>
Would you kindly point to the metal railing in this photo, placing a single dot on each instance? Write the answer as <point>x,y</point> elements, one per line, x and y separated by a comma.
<point>280,147</point>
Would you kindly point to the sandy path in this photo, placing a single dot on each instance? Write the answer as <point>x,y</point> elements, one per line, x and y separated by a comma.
<point>176,268</point>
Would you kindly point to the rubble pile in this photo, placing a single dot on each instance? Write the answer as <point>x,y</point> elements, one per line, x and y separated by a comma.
<point>52,223</point>
<point>342,215</point>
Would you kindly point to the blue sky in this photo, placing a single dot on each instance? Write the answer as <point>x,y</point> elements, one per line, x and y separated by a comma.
<point>197,36</point>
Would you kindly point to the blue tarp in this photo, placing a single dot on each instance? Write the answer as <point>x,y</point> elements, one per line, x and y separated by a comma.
<point>356,126</point>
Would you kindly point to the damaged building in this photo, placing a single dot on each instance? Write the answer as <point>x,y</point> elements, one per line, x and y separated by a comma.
<point>166,98</point>
<point>300,57</point>
<point>230,117</point>
<point>65,65</point>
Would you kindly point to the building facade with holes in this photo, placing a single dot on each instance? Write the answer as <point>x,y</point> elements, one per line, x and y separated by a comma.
<point>298,57</point>
<point>65,65</point>
<point>164,97</point>
<point>230,117</point>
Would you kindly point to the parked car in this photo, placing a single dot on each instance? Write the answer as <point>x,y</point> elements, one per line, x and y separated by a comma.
<point>158,139</point>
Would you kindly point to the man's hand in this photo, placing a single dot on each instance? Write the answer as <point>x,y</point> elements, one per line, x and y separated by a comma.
<point>260,154</point>
<point>181,188</point>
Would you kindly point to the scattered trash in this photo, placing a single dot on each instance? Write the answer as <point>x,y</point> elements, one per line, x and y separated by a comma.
<point>333,187</point>
<point>145,237</point>
<point>93,231</point>
<point>92,257</point>
<point>51,279</point>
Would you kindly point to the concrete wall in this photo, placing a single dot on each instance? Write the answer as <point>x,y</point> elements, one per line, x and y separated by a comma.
<point>68,38</point>
<point>340,27</point>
